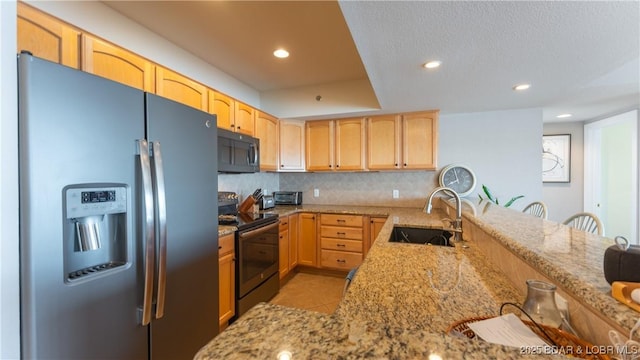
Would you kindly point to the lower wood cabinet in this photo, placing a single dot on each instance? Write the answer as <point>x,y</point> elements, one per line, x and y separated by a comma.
<point>341,245</point>
<point>375,224</point>
<point>283,247</point>
<point>293,240</point>
<point>227,279</point>
<point>307,243</point>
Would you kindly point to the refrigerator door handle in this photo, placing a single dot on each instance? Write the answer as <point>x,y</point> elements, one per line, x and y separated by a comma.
<point>161,208</point>
<point>149,230</point>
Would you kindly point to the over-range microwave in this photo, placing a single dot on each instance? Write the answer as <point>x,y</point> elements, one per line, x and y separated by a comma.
<point>237,153</point>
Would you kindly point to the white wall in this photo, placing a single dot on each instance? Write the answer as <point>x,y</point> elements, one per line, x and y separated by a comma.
<point>502,147</point>
<point>566,199</point>
<point>9,267</point>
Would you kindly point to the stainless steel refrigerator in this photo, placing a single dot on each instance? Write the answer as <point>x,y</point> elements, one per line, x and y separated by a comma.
<point>118,219</point>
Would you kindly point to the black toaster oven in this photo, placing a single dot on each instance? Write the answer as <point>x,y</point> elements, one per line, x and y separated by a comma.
<point>287,197</point>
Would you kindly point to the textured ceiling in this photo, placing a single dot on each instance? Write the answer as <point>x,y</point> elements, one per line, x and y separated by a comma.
<point>580,57</point>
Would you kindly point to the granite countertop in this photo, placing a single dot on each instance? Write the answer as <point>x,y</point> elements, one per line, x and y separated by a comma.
<point>572,258</point>
<point>400,303</point>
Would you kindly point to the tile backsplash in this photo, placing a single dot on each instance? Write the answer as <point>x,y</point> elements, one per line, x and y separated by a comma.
<point>245,184</point>
<point>362,188</point>
<point>337,188</point>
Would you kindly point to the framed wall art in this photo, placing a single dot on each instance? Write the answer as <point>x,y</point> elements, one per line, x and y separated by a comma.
<point>556,158</point>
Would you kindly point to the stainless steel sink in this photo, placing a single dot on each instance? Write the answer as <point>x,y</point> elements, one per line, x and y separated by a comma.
<point>413,235</point>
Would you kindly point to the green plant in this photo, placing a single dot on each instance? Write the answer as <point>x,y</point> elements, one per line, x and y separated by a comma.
<point>495,199</point>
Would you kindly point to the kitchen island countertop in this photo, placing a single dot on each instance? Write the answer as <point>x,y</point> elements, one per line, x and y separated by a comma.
<point>404,296</point>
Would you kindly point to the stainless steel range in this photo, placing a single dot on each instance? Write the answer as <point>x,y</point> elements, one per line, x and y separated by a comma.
<point>256,244</point>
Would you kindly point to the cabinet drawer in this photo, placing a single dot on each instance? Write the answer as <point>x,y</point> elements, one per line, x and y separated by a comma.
<point>284,223</point>
<point>341,245</point>
<point>341,220</point>
<point>341,232</point>
<point>342,260</point>
<point>225,245</point>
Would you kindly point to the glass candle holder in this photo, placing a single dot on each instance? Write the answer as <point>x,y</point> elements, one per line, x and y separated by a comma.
<point>540,303</point>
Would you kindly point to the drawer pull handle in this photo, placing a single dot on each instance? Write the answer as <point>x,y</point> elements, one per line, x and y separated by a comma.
<point>341,245</point>
<point>341,261</point>
<point>341,233</point>
<point>341,220</point>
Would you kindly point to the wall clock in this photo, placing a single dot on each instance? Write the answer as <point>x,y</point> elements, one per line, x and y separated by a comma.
<point>459,178</point>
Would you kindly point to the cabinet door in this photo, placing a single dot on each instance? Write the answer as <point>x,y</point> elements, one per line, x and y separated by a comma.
<point>383,142</point>
<point>46,37</point>
<point>419,140</point>
<point>291,145</point>
<point>244,118</point>
<point>179,88</point>
<point>293,241</point>
<point>319,145</point>
<point>224,107</point>
<point>307,244</point>
<point>350,144</point>
<point>267,132</point>
<point>376,223</point>
<point>283,258</point>
<point>114,63</point>
<point>227,280</point>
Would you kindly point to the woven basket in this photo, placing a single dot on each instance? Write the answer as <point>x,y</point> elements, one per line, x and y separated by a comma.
<point>564,340</point>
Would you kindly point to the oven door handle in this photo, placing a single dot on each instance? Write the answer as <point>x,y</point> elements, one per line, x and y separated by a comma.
<point>258,231</point>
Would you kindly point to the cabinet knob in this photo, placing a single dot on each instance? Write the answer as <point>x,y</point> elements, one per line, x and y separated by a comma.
<point>337,166</point>
<point>281,165</point>
<point>405,164</point>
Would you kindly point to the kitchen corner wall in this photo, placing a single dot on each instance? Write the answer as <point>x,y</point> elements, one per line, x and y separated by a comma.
<point>362,188</point>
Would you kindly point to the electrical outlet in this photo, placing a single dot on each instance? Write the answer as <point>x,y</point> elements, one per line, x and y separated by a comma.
<point>316,192</point>
<point>396,194</point>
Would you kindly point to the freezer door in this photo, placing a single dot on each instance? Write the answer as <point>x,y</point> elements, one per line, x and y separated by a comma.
<point>77,136</point>
<point>187,138</point>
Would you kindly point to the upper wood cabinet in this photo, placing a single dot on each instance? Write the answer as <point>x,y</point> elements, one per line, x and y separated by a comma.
<point>224,107</point>
<point>319,145</point>
<point>350,144</point>
<point>336,145</point>
<point>406,141</point>
<point>292,145</point>
<point>46,37</point>
<point>420,140</point>
<point>244,118</point>
<point>179,88</point>
<point>114,63</point>
<point>266,129</point>
<point>383,139</point>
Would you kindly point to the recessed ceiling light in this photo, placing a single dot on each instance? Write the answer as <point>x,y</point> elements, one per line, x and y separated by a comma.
<point>432,64</point>
<point>564,116</point>
<point>281,53</point>
<point>521,87</point>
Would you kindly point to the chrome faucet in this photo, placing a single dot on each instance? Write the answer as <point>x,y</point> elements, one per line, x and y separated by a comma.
<point>457,223</point>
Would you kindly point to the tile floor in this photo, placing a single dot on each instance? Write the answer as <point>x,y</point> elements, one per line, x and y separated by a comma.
<point>320,293</point>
